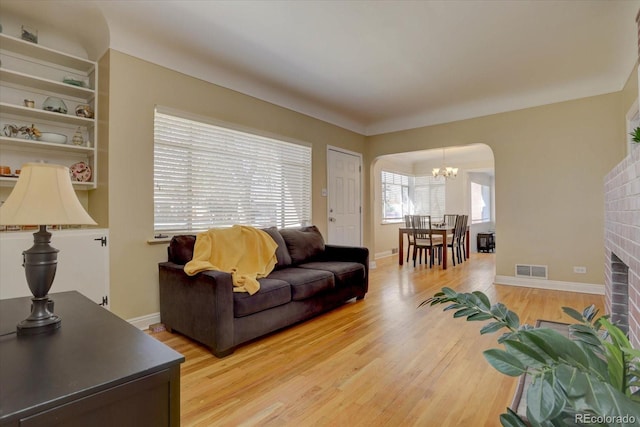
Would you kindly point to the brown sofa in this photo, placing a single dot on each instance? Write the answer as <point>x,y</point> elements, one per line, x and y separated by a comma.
<point>310,278</point>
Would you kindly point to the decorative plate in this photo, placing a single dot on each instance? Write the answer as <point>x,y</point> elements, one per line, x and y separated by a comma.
<point>80,172</point>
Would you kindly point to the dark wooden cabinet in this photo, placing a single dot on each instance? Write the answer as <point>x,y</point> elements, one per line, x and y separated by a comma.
<point>486,242</point>
<point>96,370</point>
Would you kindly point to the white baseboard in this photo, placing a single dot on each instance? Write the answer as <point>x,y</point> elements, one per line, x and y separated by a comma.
<point>384,254</point>
<point>143,322</point>
<point>556,285</point>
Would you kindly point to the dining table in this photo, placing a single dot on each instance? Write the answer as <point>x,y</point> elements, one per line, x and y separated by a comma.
<point>435,230</point>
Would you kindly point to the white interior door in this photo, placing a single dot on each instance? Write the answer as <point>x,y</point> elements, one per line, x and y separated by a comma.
<point>344,198</point>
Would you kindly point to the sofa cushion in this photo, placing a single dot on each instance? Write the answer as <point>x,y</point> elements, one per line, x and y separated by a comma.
<point>282,253</point>
<point>303,243</point>
<point>304,282</point>
<point>181,248</point>
<point>345,272</point>
<point>272,293</point>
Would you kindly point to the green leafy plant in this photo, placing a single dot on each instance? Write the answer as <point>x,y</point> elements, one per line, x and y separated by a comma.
<point>635,135</point>
<point>591,378</point>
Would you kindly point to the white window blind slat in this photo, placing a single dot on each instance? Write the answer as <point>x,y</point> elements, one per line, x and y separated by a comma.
<point>209,176</point>
<point>407,195</point>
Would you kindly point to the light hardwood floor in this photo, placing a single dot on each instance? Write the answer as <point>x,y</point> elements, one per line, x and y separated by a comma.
<point>376,362</point>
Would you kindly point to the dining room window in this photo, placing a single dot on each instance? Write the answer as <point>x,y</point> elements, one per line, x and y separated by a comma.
<point>429,196</point>
<point>404,194</point>
<point>395,196</point>
<point>480,203</point>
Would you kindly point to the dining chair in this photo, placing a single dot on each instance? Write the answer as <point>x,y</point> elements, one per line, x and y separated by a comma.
<point>424,239</point>
<point>450,220</point>
<point>463,237</point>
<point>408,223</point>
<point>455,241</point>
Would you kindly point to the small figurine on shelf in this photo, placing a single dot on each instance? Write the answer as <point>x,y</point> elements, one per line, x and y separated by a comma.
<point>10,130</point>
<point>77,137</point>
<point>30,132</point>
<point>29,34</point>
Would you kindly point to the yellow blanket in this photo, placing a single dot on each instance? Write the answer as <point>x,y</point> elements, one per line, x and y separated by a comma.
<point>245,252</point>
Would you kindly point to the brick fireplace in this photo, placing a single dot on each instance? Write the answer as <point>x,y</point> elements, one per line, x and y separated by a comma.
<point>622,244</point>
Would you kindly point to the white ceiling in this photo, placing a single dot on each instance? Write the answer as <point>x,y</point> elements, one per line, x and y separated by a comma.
<point>374,66</point>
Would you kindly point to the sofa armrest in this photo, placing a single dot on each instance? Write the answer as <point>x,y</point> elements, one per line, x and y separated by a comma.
<point>200,306</point>
<point>346,253</point>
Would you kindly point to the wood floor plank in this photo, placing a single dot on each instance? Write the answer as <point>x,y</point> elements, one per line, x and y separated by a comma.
<point>377,362</point>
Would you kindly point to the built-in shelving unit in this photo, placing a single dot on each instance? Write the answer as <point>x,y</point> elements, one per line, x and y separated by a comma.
<point>30,71</point>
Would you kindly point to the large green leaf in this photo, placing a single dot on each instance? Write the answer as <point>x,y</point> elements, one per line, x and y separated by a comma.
<point>588,394</point>
<point>479,317</point>
<point>617,336</point>
<point>616,404</point>
<point>491,327</point>
<point>542,404</point>
<point>597,363</point>
<point>616,366</point>
<point>528,356</point>
<point>512,320</point>
<point>511,419</point>
<point>557,346</point>
<point>573,314</point>
<point>499,310</point>
<point>504,362</point>
<point>465,312</point>
<point>585,334</point>
<point>484,302</point>
<point>448,292</point>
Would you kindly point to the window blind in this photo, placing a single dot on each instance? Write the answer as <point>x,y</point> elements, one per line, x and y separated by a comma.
<point>429,196</point>
<point>209,176</point>
<point>395,196</point>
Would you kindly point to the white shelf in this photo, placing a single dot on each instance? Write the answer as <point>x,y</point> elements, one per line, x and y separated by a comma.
<point>36,71</point>
<point>6,142</point>
<point>35,114</point>
<point>42,53</point>
<point>10,182</point>
<point>31,82</point>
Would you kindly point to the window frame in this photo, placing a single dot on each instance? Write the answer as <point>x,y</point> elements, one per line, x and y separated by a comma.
<point>257,182</point>
<point>411,206</point>
<point>485,191</point>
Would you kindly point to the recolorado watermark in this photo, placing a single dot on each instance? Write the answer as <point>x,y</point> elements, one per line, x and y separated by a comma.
<point>604,419</point>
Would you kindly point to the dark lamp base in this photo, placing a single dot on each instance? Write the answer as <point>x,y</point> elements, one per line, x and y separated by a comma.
<point>33,327</point>
<point>41,319</point>
<point>40,263</point>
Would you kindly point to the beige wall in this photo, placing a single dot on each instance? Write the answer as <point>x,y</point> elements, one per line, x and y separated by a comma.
<point>135,88</point>
<point>549,165</point>
<point>550,162</point>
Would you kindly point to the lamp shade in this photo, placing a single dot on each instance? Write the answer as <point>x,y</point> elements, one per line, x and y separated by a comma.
<point>43,195</point>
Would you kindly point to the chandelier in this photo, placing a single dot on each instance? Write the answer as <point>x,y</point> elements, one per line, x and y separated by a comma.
<point>445,171</point>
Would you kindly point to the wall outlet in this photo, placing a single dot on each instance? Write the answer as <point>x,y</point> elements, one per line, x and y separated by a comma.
<point>580,270</point>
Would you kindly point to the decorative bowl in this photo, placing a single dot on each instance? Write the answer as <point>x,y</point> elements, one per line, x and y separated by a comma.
<point>56,138</point>
<point>55,105</point>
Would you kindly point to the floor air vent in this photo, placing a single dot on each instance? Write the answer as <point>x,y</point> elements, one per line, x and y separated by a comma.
<point>532,271</point>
